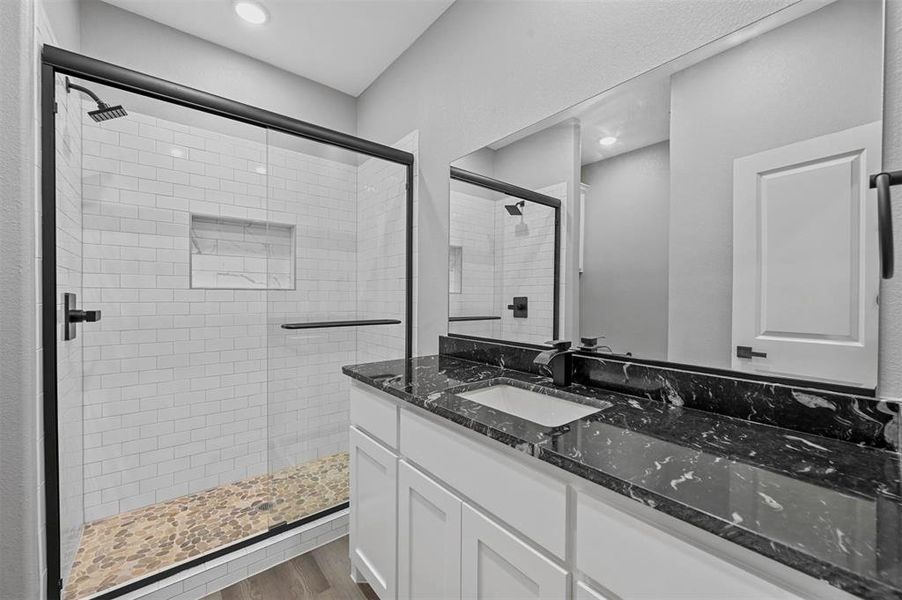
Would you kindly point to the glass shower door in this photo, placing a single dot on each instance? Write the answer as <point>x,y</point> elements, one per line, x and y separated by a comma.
<point>162,400</point>
<point>336,224</point>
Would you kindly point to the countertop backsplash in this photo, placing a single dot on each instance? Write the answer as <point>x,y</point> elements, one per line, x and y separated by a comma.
<point>857,419</point>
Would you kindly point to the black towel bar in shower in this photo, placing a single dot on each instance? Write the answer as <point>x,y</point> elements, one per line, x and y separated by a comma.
<point>475,318</point>
<point>325,324</point>
<point>883,181</point>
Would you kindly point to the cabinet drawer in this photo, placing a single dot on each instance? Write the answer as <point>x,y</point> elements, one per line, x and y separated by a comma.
<point>528,500</point>
<point>635,560</point>
<point>375,412</point>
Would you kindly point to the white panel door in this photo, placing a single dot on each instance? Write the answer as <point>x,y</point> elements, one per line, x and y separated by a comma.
<point>373,513</point>
<point>805,258</point>
<point>495,564</point>
<point>428,538</point>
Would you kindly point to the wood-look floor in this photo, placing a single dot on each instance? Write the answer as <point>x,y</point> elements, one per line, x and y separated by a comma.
<point>323,574</point>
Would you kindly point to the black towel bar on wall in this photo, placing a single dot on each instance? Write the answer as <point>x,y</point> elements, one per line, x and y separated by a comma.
<point>327,324</point>
<point>473,318</point>
<point>883,182</point>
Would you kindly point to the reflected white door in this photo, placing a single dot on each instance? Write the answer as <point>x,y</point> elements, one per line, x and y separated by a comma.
<point>805,261</point>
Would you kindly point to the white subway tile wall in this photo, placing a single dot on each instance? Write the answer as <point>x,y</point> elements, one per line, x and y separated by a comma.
<point>186,389</point>
<point>381,266</point>
<point>526,267</point>
<point>308,394</point>
<point>69,353</point>
<point>473,222</point>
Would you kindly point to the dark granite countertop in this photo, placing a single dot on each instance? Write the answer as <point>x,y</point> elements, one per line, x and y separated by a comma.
<point>825,507</point>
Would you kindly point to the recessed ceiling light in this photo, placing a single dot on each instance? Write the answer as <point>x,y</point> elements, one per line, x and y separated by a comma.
<point>607,140</point>
<point>177,152</point>
<point>260,169</point>
<point>251,12</point>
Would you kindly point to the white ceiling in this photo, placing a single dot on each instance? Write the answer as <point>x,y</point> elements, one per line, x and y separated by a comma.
<point>345,44</point>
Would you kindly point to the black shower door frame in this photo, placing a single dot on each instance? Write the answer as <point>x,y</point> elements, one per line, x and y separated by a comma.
<point>56,61</point>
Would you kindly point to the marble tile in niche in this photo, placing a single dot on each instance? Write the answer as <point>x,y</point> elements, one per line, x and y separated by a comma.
<point>234,253</point>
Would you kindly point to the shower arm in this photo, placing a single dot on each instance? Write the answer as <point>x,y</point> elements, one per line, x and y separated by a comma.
<point>84,90</point>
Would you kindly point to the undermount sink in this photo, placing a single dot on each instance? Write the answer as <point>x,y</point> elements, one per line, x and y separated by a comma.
<point>537,407</point>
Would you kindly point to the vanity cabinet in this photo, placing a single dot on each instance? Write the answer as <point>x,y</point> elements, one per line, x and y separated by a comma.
<point>428,537</point>
<point>373,526</point>
<point>439,512</point>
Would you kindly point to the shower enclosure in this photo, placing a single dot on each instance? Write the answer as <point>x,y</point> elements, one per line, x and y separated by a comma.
<point>208,267</point>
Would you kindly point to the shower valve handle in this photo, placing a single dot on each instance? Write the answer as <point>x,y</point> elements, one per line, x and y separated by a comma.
<point>80,316</point>
<point>72,315</point>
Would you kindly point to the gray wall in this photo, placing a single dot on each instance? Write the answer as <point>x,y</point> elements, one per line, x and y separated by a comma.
<point>623,288</point>
<point>537,161</point>
<point>126,39</point>
<point>808,78</point>
<point>64,18</point>
<point>487,69</point>
<point>20,500</point>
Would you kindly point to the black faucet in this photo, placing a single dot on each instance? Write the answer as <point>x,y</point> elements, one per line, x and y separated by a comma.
<point>559,359</point>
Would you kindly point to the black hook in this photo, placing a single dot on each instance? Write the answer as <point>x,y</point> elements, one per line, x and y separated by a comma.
<point>883,181</point>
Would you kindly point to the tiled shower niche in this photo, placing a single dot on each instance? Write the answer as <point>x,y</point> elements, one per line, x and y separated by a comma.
<point>229,253</point>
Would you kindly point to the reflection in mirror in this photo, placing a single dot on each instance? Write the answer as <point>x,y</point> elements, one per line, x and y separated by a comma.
<point>502,263</point>
<point>717,210</point>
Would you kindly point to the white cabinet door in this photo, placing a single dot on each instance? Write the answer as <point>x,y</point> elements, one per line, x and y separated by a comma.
<point>428,538</point>
<point>497,565</point>
<point>805,260</point>
<point>584,591</point>
<point>373,531</point>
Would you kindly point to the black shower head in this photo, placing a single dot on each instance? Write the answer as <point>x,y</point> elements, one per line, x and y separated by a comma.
<point>104,111</point>
<point>515,209</point>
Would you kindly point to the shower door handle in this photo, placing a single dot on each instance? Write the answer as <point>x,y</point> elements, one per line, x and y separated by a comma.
<point>883,181</point>
<point>73,315</point>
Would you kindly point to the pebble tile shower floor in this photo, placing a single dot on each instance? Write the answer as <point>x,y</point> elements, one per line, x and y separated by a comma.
<point>135,544</point>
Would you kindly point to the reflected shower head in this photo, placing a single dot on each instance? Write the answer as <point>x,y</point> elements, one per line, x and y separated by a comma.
<point>104,111</point>
<point>515,209</point>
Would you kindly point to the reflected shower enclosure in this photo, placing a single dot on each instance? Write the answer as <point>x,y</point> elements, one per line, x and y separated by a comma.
<point>503,258</point>
<point>220,269</point>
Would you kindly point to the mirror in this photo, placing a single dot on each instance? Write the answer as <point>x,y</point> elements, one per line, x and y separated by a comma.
<point>715,210</point>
